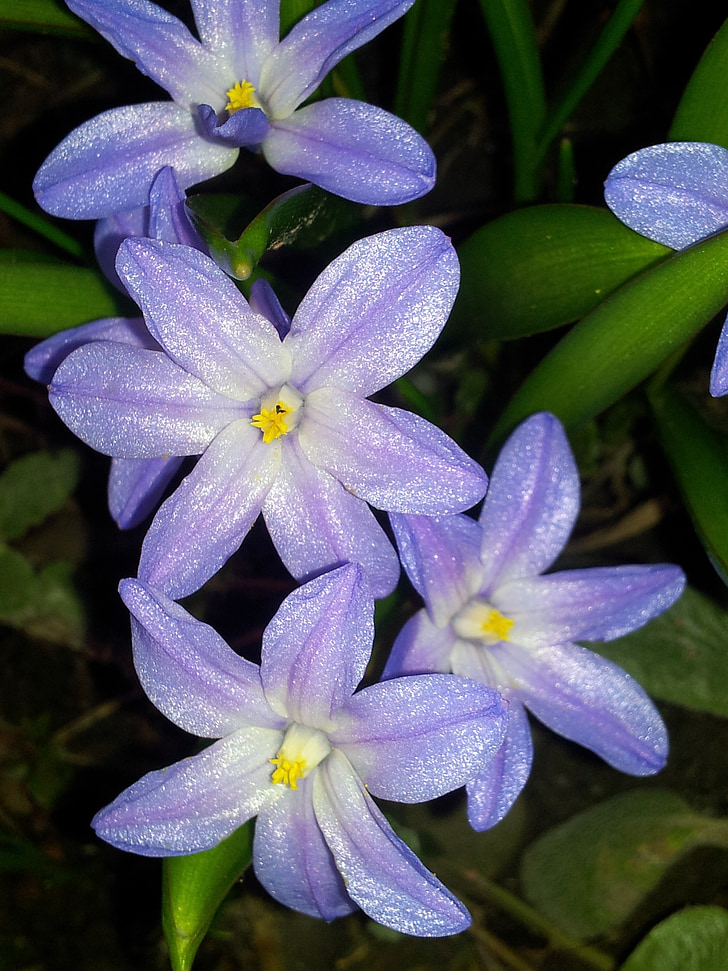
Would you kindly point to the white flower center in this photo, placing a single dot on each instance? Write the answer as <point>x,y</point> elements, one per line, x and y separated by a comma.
<point>280,413</point>
<point>302,750</point>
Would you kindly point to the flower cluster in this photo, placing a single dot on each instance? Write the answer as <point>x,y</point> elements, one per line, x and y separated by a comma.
<point>277,413</point>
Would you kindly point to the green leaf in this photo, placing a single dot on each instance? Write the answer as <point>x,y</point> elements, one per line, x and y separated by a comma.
<point>42,16</point>
<point>33,487</point>
<point>589,874</point>
<point>541,267</point>
<point>699,461</point>
<point>702,115</point>
<point>693,939</point>
<point>625,338</point>
<point>39,298</point>
<point>426,30</point>
<point>17,583</point>
<point>194,887</point>
<point>679,656</point>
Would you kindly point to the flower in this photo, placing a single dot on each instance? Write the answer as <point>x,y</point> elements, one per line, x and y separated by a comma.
<point>299,750</point>
<point>237,86</point>
<point>284,426</point>
<point>677,194</point>
<point>491,616</point>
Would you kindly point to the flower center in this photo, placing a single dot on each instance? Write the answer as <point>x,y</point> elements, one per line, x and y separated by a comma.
<point>279,413</point>
<point>241,95</point>
<point>480,621</point>
<point>302,750</point>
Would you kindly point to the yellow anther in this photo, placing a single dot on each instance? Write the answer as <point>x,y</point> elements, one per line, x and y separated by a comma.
<point>497,625</point>
<point>272,421</point>
<point>287,772</point>
<point>481,622</point>
<point>241,95</point>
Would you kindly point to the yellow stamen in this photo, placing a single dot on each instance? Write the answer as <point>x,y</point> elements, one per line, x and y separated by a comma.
<point>272,421</point>
<point>481,621</point>
<point>301,751</point>
<point>287,772</point>
<point>497,624</point>
<point>241,95</point>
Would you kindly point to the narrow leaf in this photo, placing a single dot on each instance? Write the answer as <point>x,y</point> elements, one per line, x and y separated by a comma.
<point>43,16</point>
<point>702,115</point>
<point>426,30</point>
<point>693,939</point>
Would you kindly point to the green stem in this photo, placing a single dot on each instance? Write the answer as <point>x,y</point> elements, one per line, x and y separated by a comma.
<point>41,225</point>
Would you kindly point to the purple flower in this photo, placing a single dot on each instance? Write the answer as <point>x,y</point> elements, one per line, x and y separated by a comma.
<point>676,194</point>
<point>238,86</point>
<point>491,616</point>
<point>299,750</point>
<point>284,425</point>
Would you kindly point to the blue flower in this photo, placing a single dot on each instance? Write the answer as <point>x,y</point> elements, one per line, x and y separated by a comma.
<point>677,194</point>
<point>299,750</point>
<point>235,87</point>
<point>490,615</point>
<point>283,425</point>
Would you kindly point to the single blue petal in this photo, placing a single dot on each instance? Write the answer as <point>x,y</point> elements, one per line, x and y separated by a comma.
<point>263,301</point>
<point>316,648</point>
<point>168,219</point>
<point>675,193</point>
<point>133,403</point>
<point>391,458</point>
<point>415,738</point>
<point>492,794</point>
<point>42,361</point>
<point>719,371</point>
<point>531,504</point>
<point>109,233</point>
<point>194,804</point>
<point>316,525</point>
<point>137,485</point>
<point>383,876</point>
<point>189,672</point>
<point>108,164</point>
<point>374,311</point>
<point>243,32</point>
<point>596,604</point>
<point>292,861</point>
<point>420,647</point>
<point>245,127</point>
<point>317,43</point>
<point>590,700</point>
<point>441,556</point>
<point>201,319</point>
<point>208,516</point>
<point>354,150</point>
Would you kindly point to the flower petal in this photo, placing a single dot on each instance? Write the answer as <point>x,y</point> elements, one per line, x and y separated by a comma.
<point>719,371</point>
<point>420,647</point>
<point>133,403</point>
<point>354,150</point>
<point>390,458</point>
<point>246,127</point>
<point>383,876</point>
<point>415,738</point>
<point>596,604</point>
<point>168,219</point>
<point>441,556</point>
<point>159,45</point>
<point>590,700</point>
<point>374,311</point>
<point>137,485</point>
<point>293,862</point>
<point>531,504</point>
<point>194,804</point>
<point>108,164</point>
<point>243,32</point>
<point>264,301</point>
<point>492,794</point>
<point>317,43</point>
<point>316,648</point>
<point>315,524</point>
<point>201,319</point>
<point>189,672</point>
<point>206,519</point>
<point>675,193</point>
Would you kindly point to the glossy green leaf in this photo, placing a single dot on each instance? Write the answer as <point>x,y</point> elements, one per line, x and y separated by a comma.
<point>193,889</point>
<point>702,115</point>
<point>693,939</point>
<point>699,461</point>
<point>32,487</point>
<point>43,16</point>
<point>41,297</point>
<point>426,31</point>
<point>680,656</point>
<point>541,267</point>
<point>625,338</point>
<point>588,874</point>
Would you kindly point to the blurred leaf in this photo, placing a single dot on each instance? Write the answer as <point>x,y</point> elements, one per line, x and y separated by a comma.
<point>588,874</point>
<point>702,115</point>
<point>426,32</point>
<point>304,215</point>
<point>292,11</point>
<point>541,267</point>
<point>39,298</point>
<point>32,487</point>
<point>43,16</point>
<point>625,338</point>
<point>42,604</point>
<point>18,854</point>
<point>679,656</point>
<point>194,887</point>
<point>40,224</point>
<point>694,939</point>
<point>17,583</point>
<point>699,461</point>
